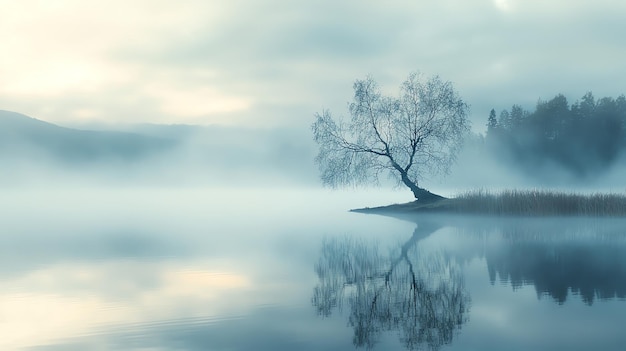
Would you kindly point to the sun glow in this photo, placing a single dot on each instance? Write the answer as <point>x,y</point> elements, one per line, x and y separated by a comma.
<point>57,302</point>
<point>504,5</point>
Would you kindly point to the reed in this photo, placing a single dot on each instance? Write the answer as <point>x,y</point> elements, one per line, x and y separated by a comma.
<point>540,203</point>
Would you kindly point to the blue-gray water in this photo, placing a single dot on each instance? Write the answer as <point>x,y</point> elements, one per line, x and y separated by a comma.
<point>86,268</point>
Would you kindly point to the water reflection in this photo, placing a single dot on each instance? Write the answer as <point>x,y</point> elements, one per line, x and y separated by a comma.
<point>416,288</point>
<point>134,277</point>
<point>587,259</point>
<point>420,294</point>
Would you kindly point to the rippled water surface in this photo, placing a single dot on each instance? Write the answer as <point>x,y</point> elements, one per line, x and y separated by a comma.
<point>220,269</point>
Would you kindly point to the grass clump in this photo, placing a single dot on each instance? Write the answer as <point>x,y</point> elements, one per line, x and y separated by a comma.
<point>540,203</point>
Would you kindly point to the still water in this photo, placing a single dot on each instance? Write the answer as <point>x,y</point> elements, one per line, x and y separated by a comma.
<point>236,269</point>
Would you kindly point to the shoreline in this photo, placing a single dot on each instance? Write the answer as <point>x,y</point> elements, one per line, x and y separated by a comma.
<point>514,203</point>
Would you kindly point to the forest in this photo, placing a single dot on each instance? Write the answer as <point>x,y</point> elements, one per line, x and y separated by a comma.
<point>585,138</point>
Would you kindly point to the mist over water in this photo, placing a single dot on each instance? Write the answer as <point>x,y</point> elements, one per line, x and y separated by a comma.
<point>121,260</point>
<point>195,268</point>
<point>226,241</point>
<point>35,152</point>
<point>159,187</point>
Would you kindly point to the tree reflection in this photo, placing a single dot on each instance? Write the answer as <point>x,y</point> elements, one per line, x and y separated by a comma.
<point>580,257</point>
<point>591,270</point>
<point>420,294</point>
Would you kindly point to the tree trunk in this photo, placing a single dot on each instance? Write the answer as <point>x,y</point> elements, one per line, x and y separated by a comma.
<point>421,195</point>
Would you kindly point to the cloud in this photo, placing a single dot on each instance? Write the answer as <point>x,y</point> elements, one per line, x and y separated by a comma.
<point>277,62</point>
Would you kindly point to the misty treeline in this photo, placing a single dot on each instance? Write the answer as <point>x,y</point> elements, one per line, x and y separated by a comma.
<point>585,137</point>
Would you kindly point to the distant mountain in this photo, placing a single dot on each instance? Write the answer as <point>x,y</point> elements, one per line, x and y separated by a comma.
<point>32,148</point>
<point>22,136</point>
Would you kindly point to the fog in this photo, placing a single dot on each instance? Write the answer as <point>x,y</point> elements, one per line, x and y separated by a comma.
<point>479,168</point>
<point>37,153</point>
<point>194,268</point>
<point>159,190</point>
<point>204,234</point>
<point>172,155</point>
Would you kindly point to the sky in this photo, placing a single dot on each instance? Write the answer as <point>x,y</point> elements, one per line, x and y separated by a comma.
<point>275,63</point>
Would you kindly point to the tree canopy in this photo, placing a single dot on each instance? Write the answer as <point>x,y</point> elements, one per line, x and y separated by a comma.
<point>416,133</point>
<point>584,138</point>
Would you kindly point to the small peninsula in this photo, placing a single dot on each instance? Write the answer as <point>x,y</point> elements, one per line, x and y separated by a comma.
<point>531,203</point>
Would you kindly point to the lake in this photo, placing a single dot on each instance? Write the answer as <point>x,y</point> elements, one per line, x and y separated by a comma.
<point>114,268</point>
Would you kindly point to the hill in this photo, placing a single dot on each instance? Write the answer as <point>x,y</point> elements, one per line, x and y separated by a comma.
<point>22,136</point>
<point>35,150</point>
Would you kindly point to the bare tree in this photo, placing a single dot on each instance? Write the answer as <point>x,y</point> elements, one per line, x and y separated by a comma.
<point>417,133</point>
